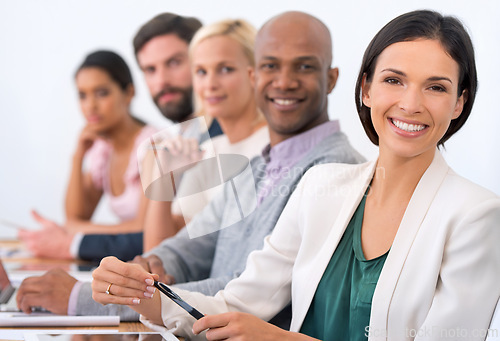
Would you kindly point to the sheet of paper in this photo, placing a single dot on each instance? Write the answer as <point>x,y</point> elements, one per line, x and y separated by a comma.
<point>20,334</point>
<point>51,320</point>
<point>16,277</point>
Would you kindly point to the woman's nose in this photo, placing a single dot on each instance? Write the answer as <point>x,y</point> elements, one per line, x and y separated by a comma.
<point>411,100</point>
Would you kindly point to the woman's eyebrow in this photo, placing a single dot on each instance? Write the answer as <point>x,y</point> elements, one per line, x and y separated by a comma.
<point>432,79</point>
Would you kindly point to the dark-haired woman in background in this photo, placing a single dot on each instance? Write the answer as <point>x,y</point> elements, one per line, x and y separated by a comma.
<point>108,144</point>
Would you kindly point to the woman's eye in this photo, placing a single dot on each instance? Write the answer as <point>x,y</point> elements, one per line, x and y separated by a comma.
<point>102,93</point>
<point>392,81</point>
<point>200,72</point>
<point>227,69</point>
<point>438,88</point>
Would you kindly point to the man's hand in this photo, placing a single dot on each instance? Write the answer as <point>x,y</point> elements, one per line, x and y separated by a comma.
<point>154,265</point>
<point>50,291</point>
<point>52,241</point>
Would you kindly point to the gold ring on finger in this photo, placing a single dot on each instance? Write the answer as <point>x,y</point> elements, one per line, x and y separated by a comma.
<point>107,290</point>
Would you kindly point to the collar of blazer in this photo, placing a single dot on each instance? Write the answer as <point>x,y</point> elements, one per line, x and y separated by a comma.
<point>354,181</point>
<point>415,213</point>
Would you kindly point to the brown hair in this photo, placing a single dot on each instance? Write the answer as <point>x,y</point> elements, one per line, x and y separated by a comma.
<point>426,24</point>
<point>166,23</point>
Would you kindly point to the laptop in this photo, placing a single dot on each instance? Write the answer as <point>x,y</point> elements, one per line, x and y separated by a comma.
<point>7,292</point>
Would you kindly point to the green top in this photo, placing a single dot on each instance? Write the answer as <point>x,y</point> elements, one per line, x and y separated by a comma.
<point>340,309</point>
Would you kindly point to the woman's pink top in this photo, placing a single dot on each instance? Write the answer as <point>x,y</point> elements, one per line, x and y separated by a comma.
<point>125,205</point>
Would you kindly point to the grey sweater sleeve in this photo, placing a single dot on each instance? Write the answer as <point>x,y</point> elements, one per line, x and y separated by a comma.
<point>187,259</point>
<point>190,259</point>
<point>87,306</point>
<point>209,286</point>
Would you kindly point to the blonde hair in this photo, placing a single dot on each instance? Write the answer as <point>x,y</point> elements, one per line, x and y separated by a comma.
<point>238,29</point>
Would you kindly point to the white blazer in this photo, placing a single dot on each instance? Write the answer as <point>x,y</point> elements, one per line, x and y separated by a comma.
<point>440,279</point>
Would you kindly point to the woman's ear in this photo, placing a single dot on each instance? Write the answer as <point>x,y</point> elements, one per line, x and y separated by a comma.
<point>251,75</point>
<point>459,107</point>
<point>129,93</point>
<point>365,92</point>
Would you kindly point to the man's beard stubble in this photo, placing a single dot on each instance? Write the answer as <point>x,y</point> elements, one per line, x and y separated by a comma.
<point>177,111</point>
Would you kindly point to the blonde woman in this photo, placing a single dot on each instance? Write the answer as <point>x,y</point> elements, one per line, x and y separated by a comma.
<point>222,64</point>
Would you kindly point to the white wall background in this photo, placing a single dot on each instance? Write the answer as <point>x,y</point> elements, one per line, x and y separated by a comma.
<point>42,42</point>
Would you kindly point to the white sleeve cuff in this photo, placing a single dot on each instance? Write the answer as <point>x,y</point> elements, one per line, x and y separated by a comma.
<point>75,245</point>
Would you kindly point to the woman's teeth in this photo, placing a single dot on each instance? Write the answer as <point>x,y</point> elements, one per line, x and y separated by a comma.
<point>411,128</point>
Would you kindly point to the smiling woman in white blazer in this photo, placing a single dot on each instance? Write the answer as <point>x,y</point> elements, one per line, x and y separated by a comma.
<point>436,232</point>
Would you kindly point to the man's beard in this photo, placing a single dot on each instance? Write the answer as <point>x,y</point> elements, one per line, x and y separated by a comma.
<point>179,110</point>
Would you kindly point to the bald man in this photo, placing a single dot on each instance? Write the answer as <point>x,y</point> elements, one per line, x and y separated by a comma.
<point>294,74</point>
<point>293,79</point>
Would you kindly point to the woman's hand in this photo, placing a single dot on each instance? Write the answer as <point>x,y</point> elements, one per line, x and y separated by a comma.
<point>178,152</point>
<point>123,283</point>
<point>85,141</point>
<point>163,161</point>
<point>241,326</point>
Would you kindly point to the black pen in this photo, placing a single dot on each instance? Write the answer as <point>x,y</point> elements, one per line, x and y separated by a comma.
<point>176,298</point>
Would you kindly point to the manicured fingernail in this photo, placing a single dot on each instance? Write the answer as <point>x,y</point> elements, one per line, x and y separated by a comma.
<point>151,289</point>
<point>148,294</point>
<point>136,301</point>
<point>149,281</point>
